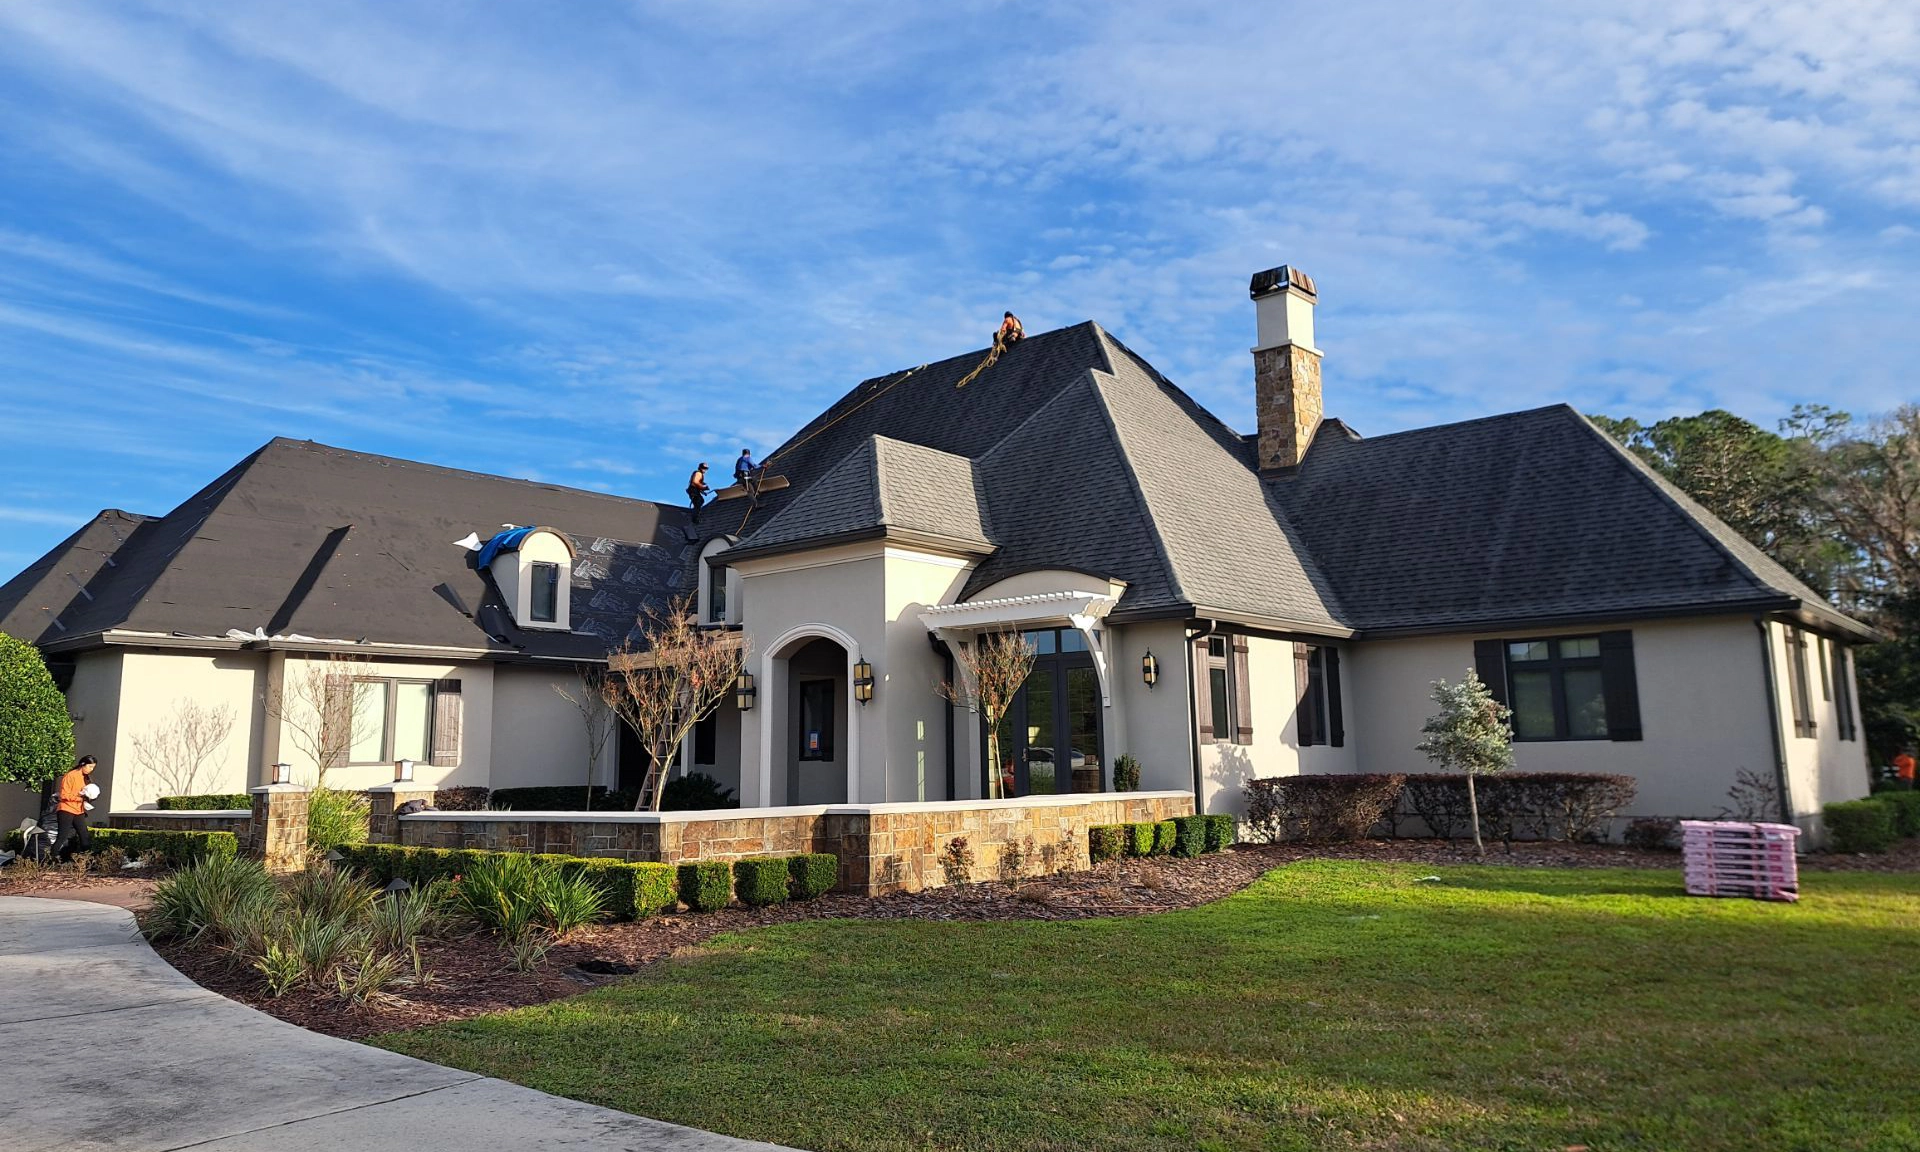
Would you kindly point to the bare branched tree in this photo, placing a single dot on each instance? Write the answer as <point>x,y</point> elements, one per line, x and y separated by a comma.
<point>176,750</point>
<point>322,711</point>
<point>594,702</point>
<point>674,680</point>
<point>992,670</point>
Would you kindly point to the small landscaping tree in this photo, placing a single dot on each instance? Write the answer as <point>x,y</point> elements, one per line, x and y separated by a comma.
<point>321,708</point>
<point>1470,733</point>
<point>665,686</point>
<point>992,669</point>
<point>593,700</point>
<point>36,734</point>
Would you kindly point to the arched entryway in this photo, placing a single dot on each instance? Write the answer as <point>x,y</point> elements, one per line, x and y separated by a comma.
<point>809,739</point>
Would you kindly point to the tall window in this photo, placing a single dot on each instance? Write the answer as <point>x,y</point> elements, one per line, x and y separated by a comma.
<point>1799,690</point>
<point>1556,689</point>
<point>816,719</point>
<point>716,595</point>
<point>1316,673</point>
<point>546,593</point>
<point>1222,702</point>
<point>1843,693</point>
<point>1219,688</point>
<point>392,720</point>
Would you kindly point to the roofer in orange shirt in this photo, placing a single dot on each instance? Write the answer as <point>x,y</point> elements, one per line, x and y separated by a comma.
<point>1903,767</point>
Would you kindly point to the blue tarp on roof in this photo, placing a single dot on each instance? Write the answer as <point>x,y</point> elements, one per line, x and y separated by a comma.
<point>507,541</point>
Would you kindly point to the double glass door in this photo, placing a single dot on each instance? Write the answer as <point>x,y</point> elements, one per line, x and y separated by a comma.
<point>1050,742</point>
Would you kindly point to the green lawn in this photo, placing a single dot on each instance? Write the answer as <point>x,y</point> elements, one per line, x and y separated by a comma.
<point>1331,1005</point>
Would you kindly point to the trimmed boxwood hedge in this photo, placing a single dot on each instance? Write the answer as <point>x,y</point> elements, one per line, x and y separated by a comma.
<point>208,802</point>
<point>813,874</point>
<point>706,885</point>
<point>1140,839</point>
<point>761,880</point>
<point>1164,833</point>
<point>1221,831</point>
<point>1189,836</point>
<point>1859,825</point>
<point>177,849</point>
<point>1905,807</point>
<point>1109,842</point>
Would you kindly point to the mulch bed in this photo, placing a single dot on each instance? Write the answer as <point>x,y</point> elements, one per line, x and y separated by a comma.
<point>471,975</point>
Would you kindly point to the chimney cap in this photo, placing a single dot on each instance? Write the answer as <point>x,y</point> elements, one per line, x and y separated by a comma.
<point>1277,279</point>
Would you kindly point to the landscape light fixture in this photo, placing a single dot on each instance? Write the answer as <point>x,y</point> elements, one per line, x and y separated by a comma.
<point>283,773</point>
<point>1149,669</point>
<point>744,692</point>
<point>863,681</point>
<point>403,771</point>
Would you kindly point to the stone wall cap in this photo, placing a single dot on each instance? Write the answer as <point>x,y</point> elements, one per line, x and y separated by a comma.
<point>402,786</point>
<point>185,814</point>
<point>1067,800</point>
<point>278,789</point>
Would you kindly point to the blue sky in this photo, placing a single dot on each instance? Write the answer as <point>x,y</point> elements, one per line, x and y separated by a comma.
<point>591,242</point>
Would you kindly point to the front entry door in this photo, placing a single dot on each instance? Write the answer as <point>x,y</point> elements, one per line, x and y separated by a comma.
<point>1054,742</point>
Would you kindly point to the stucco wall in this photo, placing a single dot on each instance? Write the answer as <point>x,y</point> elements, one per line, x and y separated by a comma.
<point>153,686</point>
<point>1821,768</point>
<point>93,700</point>
<point>1153,725</point>
<point>1703,712</point>
<point>1275,750</point>
<point>538,738</point>
<point>477,725</point>
<point>914,717</point>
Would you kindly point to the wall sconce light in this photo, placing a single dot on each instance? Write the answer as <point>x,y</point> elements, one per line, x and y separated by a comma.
<point>283,773</point>
<point>402,771</point>
<point>1149,669</point>
<point>863,681</point>
<point>744,692</point>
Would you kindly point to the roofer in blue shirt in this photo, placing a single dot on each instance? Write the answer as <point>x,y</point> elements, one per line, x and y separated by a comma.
<point>744,468</point>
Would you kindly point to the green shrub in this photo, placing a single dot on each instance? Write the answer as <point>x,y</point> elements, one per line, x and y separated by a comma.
<point>812,874</point>
<point>761,881</point>
<point>1905,807</point>
<point>706,885</point>
<point>1189,836</point>
<point>1859,825</point>
<point>337,894</point>
<point>334,818</point>
<point>399,919</point>
<point>696,792</point>
<point>1140,839</point>
<point>36,732</point>
<point>627,891</point>
<point>169,848</point>
<point>1126,774</point>
<point>1106,842</point>
<point>1652,833</point>
<point>565,900</point>
<point>1222,831</point>
<point>656,888</point>
<point>210,802</point>
<point>498,893</point>
<point>212,898</point>
<point>1164,833</point>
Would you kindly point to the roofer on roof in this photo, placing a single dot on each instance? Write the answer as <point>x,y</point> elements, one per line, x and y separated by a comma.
<point>1010,333</point>
<point>697,489</point>
<point>744,468</point>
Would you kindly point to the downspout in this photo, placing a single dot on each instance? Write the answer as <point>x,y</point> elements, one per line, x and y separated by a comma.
<point>948,653</point>
<point>1193,708</point>
<point>1773,720</point>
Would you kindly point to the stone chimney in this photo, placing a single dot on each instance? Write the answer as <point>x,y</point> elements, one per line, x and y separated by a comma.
<point>1286,365</point>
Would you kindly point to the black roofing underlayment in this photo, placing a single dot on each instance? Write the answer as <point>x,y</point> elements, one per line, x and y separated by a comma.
<point>1071,452</point>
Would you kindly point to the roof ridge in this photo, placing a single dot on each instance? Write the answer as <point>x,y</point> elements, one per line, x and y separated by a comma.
<point>288,443</point>
<point>1177,584</point>
<point>1457,423</point>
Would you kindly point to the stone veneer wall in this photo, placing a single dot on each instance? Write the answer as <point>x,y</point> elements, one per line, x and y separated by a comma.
<point>882,848</point>
<point>238,821</point>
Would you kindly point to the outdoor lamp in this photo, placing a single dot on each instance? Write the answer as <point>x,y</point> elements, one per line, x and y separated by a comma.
<point>1149,669</point>
<point>283,773</point>
<point>744,692</point>
<point>863,681</point>
<point>402,771</point>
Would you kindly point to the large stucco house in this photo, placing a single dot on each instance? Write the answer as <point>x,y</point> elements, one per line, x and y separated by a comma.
<point>1220,606</point>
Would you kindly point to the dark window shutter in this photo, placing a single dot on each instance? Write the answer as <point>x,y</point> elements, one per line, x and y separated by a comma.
<point>1242,696</point>
<point>1306,727</point>
<point>336,723</point>
<point>1843,692</point>
<point>1336,716</point>
<point>1202,691</point>
<point>1490,661</point>
<point>446,724</point>
<point>1621,686</point>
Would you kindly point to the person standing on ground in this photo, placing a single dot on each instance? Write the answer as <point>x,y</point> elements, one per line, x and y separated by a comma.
<point>1903,765</point>
<point>697,490</point>
<point>70,811</point>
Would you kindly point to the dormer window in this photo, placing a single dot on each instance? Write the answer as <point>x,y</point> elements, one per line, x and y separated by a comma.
<point>716,595</point>
<point>533,568</point>
<point>719,595</point>
<point>545,592</point>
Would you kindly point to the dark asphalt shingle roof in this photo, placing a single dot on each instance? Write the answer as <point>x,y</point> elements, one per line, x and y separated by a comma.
<point>884,484</point>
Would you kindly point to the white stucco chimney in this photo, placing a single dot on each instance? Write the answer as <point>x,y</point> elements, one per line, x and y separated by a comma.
<point>1286,365</point>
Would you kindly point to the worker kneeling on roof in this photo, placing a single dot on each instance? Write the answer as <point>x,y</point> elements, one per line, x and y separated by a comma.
<point>744,468</point>
<point>1010,332</point>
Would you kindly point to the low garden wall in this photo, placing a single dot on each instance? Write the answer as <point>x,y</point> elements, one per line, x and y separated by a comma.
<point>238,821</point>
<point>881,847</point>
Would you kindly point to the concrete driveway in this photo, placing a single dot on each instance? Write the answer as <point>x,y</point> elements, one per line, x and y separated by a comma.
<point>105,1046</point>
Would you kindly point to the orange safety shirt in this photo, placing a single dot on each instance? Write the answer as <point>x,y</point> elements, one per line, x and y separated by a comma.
<point>71,801</point>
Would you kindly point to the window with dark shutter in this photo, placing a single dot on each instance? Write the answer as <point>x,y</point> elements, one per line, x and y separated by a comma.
<point>446,724</point>
<point>1564,687</point>
<point>1242,697</point>
<point>1223,708</point>
<point>1621,685</point>
<point>1799,691</point>
<point>1490,661</point>
<point>1306,713</point>
<point>1202,691</point>
<point>1821,650</point>
<point>1336,714</point>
